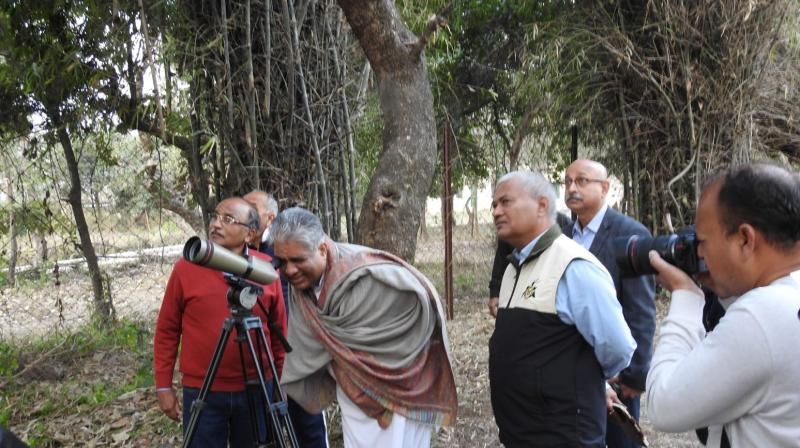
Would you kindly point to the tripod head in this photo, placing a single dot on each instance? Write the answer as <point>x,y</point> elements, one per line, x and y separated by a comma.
<point>241,293</point>
<point>243,296</point>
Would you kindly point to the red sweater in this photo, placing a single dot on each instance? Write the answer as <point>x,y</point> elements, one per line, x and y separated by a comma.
<point>192,313</point>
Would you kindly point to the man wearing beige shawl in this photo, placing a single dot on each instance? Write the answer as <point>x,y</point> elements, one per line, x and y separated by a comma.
<point>368,330</point>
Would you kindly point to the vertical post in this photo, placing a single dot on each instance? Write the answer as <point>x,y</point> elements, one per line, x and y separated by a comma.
<point>574,155</point>
<point>574,148</point>
<point>447,221</point>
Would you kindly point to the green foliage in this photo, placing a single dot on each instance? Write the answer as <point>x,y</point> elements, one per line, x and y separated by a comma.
<point>29,217</point>
<point>490,67</point>
<point>58,55</point>
<point>39,436</point>
<point>9,360</point>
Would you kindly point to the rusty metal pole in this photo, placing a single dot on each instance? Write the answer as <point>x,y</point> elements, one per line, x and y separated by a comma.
<point>574,156</point>
<point>447,221</point>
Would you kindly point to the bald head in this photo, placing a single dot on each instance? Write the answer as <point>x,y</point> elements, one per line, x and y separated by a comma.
<point>585,188</point>
<point>590,167</point>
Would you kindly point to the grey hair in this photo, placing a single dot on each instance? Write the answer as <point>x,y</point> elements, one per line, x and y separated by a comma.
<point>536,185</point>
<point>253,220</point>
<point>296,224</point>
<point>270,202</point>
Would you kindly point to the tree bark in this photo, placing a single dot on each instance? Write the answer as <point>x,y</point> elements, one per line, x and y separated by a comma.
<point>472,210</point>
<point>392,207</point>
<point>102,304</point>
<point>522,132</point>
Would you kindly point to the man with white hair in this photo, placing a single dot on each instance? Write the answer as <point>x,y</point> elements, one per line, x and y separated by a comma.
<point>367,329</point>
<point>267,208</point>
<point>559,331</point>
<point>310,428</point>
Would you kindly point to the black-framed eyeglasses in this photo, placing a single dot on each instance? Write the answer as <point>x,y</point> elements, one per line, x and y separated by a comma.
<point>580,181</point>
<point>225,219</point>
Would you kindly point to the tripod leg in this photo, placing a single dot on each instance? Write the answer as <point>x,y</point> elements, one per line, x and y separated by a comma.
<point>197,406</point>
<point>279,414</point>
<point>255,420</point>
<point>281,407</point>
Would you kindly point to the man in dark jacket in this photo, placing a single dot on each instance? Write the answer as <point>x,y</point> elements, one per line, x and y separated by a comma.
<point>585,189</point>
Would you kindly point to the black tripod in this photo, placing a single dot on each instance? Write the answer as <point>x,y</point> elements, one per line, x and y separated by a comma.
<point>242,296</point>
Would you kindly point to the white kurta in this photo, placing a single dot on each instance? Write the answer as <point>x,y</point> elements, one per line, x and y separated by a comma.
<point>362,431</point>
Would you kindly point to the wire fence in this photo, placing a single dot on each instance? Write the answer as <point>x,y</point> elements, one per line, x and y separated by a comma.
<point>136,249</point>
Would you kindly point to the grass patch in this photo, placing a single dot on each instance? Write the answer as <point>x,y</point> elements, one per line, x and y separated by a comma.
<point>470,277</point>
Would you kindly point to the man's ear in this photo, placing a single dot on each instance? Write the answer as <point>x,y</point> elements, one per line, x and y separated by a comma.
<point>605,185</point>
<point>747,238</point>
<point>544,205</point>
<point>323,249</point>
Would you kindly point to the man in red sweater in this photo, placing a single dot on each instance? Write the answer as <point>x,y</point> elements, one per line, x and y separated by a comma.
<point>192,313</point>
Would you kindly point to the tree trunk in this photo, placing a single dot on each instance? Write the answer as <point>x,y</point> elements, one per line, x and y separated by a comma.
<point>423,224</point>
<point>522,131</point>
<point>12,233</point>
<point>472,208</point>
<point>250,87</point>
<point>102,305</point>
<point>41,249</point>
<point>392,207</point>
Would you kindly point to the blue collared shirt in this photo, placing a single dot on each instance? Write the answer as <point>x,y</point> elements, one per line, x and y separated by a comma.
<point>586,298</point>
<point>521,255</point>
<point>585,236</point>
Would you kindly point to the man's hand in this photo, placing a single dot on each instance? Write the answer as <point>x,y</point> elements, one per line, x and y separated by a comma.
<point>611,398</point>
<point>493,303</point>
<point>671,277</point>
<point>168,402</point>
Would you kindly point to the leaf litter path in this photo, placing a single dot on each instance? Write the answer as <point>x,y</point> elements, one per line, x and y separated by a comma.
<point>133,419</point>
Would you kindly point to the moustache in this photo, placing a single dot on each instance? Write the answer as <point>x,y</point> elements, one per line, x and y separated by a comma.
<point>575,196</point>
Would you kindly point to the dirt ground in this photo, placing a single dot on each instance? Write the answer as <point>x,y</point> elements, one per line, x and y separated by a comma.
<point>133,419</point>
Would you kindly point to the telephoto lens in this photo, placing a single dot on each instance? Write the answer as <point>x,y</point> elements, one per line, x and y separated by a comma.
<point>633,253</point>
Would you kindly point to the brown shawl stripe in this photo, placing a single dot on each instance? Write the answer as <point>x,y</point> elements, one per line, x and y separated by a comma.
<point>422,391</point>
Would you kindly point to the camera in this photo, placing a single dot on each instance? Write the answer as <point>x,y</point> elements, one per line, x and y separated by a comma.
<point>633,259</point>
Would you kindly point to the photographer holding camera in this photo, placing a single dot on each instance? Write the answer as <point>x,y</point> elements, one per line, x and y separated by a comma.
<point>741,379</point>
<point>191,315</point>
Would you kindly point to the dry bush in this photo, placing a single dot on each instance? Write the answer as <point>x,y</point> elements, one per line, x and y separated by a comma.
<point>688,87</point>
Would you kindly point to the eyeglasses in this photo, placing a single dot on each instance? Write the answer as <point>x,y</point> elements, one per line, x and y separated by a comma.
<point>226,219</point>
<point>580,181</point>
